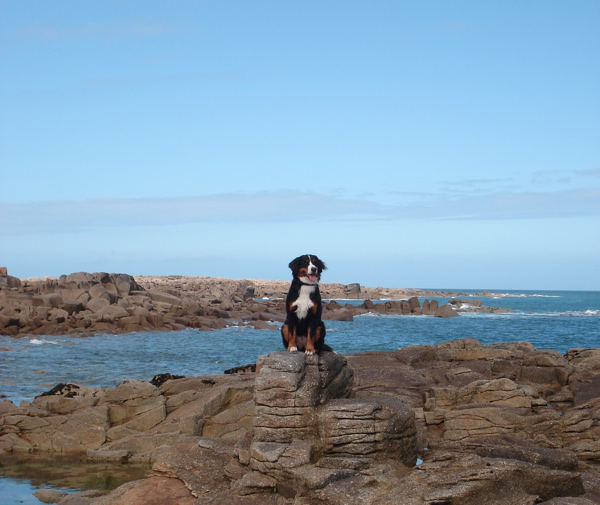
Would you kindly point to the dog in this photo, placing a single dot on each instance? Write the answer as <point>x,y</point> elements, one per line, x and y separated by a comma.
<point>303,329</point>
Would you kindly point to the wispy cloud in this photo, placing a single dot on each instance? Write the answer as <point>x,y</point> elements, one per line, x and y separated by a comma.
<point>52,32</point>
<point>551,177</point>
<point>594,172</point>
<point>285,206</point>
<point>519,205</point>
<point>117,82</point>
<point>39,217</point>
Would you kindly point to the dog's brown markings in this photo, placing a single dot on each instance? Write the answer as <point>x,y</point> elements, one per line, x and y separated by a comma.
<point>311,339</point>
<point>289,336</point>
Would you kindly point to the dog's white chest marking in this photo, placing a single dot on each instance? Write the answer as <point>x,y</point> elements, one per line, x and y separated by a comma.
<point>303,304</point>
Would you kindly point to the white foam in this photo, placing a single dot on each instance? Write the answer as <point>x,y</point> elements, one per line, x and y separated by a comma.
<point>41,341</point>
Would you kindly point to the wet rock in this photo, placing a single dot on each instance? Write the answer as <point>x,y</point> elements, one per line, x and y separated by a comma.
<point>160,379</point>
<point>153,491</point>
<point>445,311</point>
<point>49,495</point>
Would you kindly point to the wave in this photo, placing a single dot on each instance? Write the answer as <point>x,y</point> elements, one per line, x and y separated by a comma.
<point>473,312</point>
<point>41,341</point>
<point>498,296</point>
<point>519,314</point>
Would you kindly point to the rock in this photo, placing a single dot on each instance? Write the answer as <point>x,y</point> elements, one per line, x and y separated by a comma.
<point>49,495</point>
<point>507,447</point>
<point>414,305</point>
<point>73,306</point>
<point>99,291</point>
<point>97,304</point>
<point>445,311</point>
<point>153,491</point>
<point>79,303</point>
<point>379,427</point>
<point>569,501</point>
<point>499,424</point>
<point>341,314</point>
<point>112,312</point>
<point>8,281</point>
<point>352,291</point>
<point>159,296</point>
<point>456,478</point>
<point>303,415</point>
<point>50,300</point>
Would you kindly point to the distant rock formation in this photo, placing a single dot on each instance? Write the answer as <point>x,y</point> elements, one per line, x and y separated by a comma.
<point>8,281</point>
<point>84,303</point>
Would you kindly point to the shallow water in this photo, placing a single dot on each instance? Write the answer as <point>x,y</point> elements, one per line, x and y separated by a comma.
<point>21,476</point>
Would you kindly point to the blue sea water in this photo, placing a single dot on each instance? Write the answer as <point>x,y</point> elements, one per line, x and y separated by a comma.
<point>557,320</point>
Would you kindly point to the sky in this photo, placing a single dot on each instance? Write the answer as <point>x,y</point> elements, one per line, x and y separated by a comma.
<point>408,144</point>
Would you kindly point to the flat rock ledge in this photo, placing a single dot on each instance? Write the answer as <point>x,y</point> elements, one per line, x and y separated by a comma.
<point>88,303</point>
<point>451,424</point>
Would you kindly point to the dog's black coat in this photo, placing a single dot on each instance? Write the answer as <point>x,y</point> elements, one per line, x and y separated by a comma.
<point>303,329</point>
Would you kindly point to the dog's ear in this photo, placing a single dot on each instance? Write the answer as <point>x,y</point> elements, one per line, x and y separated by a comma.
<point>319,263</point>
<point>294,264</point>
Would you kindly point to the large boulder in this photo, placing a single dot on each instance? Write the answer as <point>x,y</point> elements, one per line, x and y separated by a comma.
<point>308,433</point>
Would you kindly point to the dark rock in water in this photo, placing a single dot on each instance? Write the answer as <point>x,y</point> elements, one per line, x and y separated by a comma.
<point>160,379</point>
<point>49,495</point>
<point>242,369</point>
<point>64,390</point>
<point>445,311</point>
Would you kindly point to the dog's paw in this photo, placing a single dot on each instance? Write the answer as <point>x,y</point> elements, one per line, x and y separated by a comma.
<point>309,353</point>
<point>292,349</point>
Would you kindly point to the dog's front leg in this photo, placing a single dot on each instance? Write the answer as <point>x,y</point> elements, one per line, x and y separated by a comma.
<point>290,337</point>
<point>310,342</point>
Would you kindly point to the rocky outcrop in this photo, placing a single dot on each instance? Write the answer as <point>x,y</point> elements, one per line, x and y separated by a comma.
<point>308,432</point>
<point>498,424</point>
<point>8,281</point>
<point>84,304</point>
<point>131,421</point>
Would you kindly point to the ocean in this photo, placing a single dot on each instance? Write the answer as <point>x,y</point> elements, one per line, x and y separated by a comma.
<point>558,320</point>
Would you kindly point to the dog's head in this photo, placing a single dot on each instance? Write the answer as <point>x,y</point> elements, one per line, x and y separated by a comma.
<point>307,268</point>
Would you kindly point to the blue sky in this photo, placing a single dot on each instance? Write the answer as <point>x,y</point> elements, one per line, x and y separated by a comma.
<point>408,144</point>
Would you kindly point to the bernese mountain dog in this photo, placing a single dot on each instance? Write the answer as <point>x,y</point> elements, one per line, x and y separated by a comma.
<point>303,329</point>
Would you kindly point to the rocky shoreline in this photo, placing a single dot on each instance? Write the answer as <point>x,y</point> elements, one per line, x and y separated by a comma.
<point>87,303</point>
<point>455,423</point>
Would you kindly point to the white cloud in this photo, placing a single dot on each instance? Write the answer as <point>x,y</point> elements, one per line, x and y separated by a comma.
<point>285,206</point>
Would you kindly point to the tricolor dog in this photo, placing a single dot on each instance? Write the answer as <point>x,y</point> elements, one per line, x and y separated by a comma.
<point>303,329</point>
